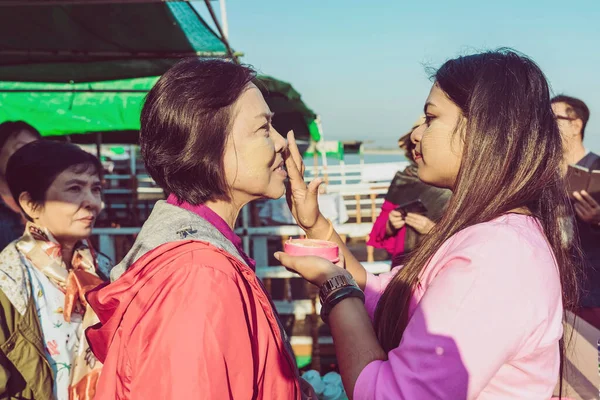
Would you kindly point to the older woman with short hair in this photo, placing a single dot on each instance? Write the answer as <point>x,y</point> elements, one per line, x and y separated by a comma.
<point>45,273</point>
<point>189,318</point>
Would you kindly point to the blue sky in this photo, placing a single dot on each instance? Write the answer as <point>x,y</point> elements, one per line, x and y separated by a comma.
<point>360,64</point>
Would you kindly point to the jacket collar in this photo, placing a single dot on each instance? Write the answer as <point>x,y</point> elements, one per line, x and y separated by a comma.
<point>169,223</point>
<point>14,279</point>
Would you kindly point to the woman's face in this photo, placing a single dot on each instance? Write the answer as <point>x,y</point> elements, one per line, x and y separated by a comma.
<point>254,152</point>
<point>438,144</point>
<point>14,143</point>
<point>73,202</point>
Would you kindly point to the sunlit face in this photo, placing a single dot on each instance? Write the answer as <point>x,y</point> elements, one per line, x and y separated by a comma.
<point>254,152</point>
<point>569,125</point>
<point>72,203</point>
<point>14,143</point>
<point>438,144</point>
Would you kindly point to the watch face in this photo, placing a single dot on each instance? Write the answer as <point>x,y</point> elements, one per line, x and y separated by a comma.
<point>332,284</point>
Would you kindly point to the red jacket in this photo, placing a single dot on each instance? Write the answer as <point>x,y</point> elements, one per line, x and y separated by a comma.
<point>189,321</point>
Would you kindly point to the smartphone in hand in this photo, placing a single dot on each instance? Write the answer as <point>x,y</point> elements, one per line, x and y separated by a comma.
<point>414,207</point>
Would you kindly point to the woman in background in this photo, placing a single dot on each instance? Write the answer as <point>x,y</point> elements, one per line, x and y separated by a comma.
<point>45,273</point>
<point>397,233</point>
<point>13,136</point>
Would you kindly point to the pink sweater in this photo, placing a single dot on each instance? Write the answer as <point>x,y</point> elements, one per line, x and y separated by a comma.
<point>485,320</point>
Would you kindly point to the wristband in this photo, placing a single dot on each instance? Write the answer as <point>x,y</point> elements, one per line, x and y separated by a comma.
<point>329,232</point>
<point>336,297</point>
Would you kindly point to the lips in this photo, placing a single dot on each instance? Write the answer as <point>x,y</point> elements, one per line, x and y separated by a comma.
<point>417,155</point>
<point>280,169</point>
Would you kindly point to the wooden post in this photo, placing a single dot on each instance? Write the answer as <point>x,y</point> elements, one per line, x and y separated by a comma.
<point>358,210</point>
<point>284,238</point>
<point>370,252</point>
<point>373,208</point>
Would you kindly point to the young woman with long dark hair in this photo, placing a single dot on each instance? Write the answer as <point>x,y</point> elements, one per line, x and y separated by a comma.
<point>477,310</point>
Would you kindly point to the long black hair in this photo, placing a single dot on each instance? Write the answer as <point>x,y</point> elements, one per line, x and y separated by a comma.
<point>505,99</point>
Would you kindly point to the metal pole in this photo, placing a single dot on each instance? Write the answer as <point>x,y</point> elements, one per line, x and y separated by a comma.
<point>132,160</point>
<point>99,145</point>
<point>361,151</point>
<point>224,23</point>
<point>245,224</point>
<point>218,25</point>
<point>324,153</point>
<point>99,153</point>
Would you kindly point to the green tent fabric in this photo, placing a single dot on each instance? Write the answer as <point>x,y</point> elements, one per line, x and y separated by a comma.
<point>66,109</point>
<point>291,113</point>
<point>113,108</point>
<point>84,68</point>
<point>332,148</point>
<point>97,42</point>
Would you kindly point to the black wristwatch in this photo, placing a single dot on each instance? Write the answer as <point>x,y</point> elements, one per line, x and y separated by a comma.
<point>333,284</point>
<point>336,289</point>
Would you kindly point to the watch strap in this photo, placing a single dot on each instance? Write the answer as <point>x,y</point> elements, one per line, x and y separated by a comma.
<point>337,296</point>
<point>333,284</point>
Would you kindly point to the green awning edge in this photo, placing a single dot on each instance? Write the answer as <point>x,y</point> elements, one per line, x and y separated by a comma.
<point>65,109</point>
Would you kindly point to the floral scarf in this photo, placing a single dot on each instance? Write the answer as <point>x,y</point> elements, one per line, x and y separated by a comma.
<point>44,253</point>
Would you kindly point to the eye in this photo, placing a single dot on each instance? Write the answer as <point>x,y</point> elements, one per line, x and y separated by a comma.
<point>267,128</point>
<point>429,118</point>
<point>74,189</point>
<point>97,190</point>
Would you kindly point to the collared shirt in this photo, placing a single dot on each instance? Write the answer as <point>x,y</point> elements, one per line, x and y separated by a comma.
<point>61,340</point>
<point>215,220</point>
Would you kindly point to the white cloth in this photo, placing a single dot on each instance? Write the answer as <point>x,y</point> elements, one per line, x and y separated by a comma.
<point>332,207</point>
<point>382,172</point>
<point>59,337</point>
<point>277,211</point>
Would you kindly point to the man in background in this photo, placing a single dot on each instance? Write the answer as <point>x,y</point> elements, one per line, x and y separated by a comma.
<point>572,116</point>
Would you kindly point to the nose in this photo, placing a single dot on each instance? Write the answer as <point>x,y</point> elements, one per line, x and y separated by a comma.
<point>92,201</point>
<point>280,142</point>
<point>417,134</point>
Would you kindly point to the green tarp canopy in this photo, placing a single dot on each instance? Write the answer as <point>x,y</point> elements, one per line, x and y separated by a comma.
<point>291,113</point>
<point>85,68</point>
<point>56,109</point>
<point>98,41</point>
<point>113,108</point>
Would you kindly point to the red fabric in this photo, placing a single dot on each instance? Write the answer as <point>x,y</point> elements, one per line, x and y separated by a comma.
<point>189,321</point>
<point>392,244</point>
